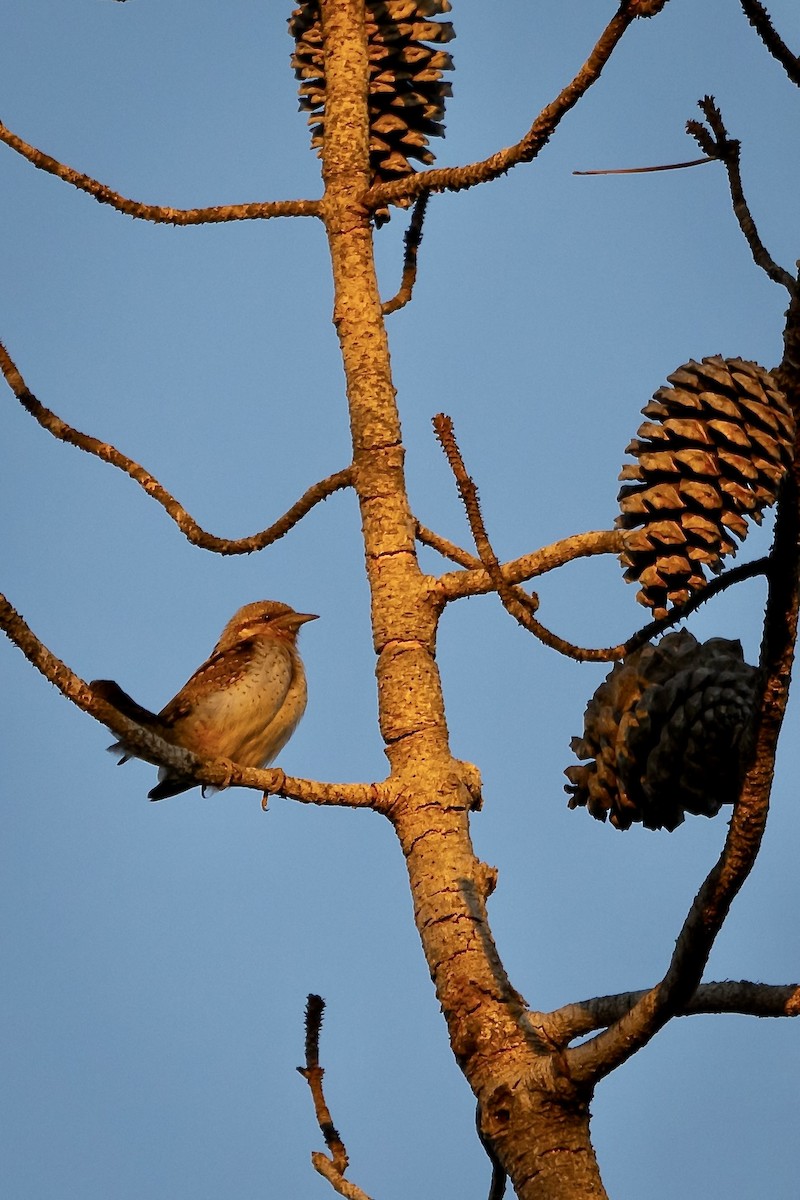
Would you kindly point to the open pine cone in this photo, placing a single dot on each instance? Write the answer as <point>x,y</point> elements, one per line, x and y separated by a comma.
<point>663,733</point>
<point>713,451</point>
<point>406,91</point>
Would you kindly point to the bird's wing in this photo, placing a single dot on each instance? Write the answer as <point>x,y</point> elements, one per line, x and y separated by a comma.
<point>222,670</point>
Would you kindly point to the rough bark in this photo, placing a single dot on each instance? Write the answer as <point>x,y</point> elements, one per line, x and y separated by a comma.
<point>541,1136</point>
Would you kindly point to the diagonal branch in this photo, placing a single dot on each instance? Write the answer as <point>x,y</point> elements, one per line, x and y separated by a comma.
<point>219,773</point>
<point>717,144</point>
<point>519,604</point>
<point>193,532</point>
<point>759,18</point>
<point>160,214</point>
<point>455,179</point>
<point>412,242</point>
<point>596,1058</point>
<point>730,996</point>
<point>332,1168</point>
<point>448,549</point>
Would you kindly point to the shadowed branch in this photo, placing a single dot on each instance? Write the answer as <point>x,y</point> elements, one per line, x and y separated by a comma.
<point>759,18</point>
<point>332,1168</point>
<point>598,1057</point>
<point>715,142</point>
<point>193,532</point>
<point>412,242</point>
<point>730,996</point>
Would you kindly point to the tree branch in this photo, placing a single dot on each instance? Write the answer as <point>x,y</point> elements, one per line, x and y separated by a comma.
<point>193,532</point>
<point>219,773</point>
<point>598,1057</point>
<point>717,144</point>
<point>455,179</point>
<point>519,604</point>
<point>412,242</point>
<point>577,546</point>
<point>449,550</point>
<point>759,18</point>
<point>332,1168</point>
<point>475,581</point>
<point>159,214</point>
<point>730,996</point>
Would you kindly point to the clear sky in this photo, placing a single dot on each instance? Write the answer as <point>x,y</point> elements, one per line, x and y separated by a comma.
<point>156,958</point>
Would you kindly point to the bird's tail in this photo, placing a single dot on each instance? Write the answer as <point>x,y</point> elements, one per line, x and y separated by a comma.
<point>110,691</point>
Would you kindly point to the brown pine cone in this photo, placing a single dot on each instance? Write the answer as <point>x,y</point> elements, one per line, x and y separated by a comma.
<point>406,90</point>
<point>713,451</point>
<point>663,733</point>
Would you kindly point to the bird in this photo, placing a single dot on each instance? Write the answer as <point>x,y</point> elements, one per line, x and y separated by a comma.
<point>243,703</point>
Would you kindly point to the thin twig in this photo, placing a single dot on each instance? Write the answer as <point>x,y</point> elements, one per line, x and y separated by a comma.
<point>158,213</point>
<point>450,550</point>
<point>759,18</point>
<point>519,604</point>
<point>694,162</point>
<point>412,242</point>
<point>146,743</point>
<point>332,1168</point>
<point>678,612</point>
<point>193,532</point>
<point>457,178</point>
<point>730,996</point>
<point>717,144</point>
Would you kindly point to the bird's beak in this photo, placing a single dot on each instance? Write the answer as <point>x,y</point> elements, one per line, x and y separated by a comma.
<point>295,620</point>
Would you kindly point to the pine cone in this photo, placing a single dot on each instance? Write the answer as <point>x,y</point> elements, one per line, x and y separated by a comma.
<point>715,449</point>
<point>664,732</point>
<point>406,91</point>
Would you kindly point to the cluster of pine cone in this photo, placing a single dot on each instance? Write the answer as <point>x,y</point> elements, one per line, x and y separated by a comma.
<point>664,733</point>
<point>406,90</point>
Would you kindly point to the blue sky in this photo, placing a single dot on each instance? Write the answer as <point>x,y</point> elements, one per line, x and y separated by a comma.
<point>157,957</point>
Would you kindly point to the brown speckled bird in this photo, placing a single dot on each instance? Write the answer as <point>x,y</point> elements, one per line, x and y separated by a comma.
<point>243,703</point>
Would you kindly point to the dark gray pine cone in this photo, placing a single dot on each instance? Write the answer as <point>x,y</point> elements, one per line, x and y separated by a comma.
<point>712,452</point>
<point>406,90</point>
<point>663,733</point>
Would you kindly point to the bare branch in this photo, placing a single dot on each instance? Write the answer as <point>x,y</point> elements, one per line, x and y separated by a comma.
<point>449,550</point>
<point>475,580</point>
<point>453,587</point>
<point>717,144</point>
<point>519,604</point>
<point>730,996</point>
<point>219,773</point>
<point>332,1168</point>
<point>160,214</point>
<point>596,1058</point>
<point>759,18</point>
<point>679,166</point>
<point>455,179</point>
<point>412,241</point>
<point>193,532</point>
